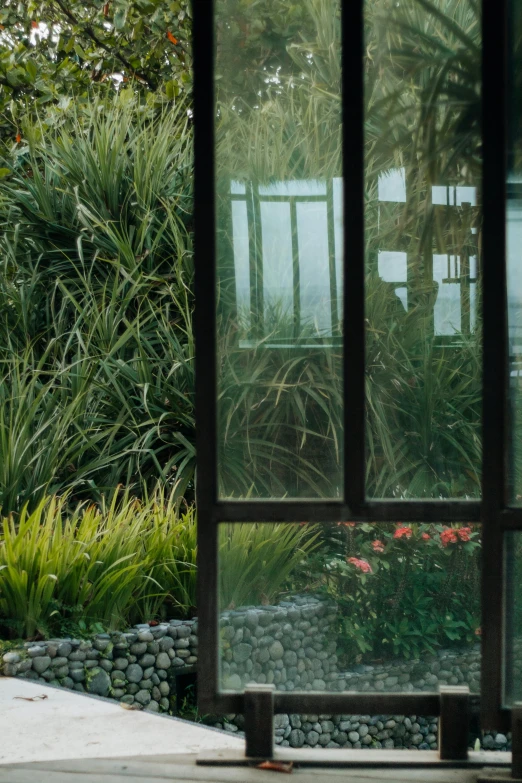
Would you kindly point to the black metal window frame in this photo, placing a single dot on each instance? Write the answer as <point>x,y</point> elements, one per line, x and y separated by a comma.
<point>492,510</point>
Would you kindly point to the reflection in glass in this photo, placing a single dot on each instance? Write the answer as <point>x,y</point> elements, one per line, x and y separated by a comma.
<point>300,257</point>
<point>387,608</point>
<point>514,250</point>
<point>423,227</point>
<point>279,219</point>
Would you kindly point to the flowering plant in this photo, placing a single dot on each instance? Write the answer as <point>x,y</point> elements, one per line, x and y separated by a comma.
<point>361,565</point>
<point>402,589</point>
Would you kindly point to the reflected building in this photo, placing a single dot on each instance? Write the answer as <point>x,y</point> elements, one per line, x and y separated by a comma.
<point>287,255</point>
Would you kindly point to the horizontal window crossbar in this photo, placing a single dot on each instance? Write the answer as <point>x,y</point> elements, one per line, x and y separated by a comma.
<point>511,519</point>
<point>284,199</point>
<point>348,702</point>
<point>331,511</point>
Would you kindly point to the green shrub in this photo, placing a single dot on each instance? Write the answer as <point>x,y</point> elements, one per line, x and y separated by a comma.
<point>96,341</point>
<point>113,564</point>
<point>258,561</point>
<point>402,590</point>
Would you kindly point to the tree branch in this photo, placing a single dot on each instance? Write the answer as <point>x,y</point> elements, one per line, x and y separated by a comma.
<point>87,29</point>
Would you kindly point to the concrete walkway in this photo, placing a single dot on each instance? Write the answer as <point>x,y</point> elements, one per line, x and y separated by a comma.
<point>70,725</point>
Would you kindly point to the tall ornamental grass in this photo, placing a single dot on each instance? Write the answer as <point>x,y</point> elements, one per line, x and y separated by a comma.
<point>96,338</point>
<point>259,561</point>
<point>111,564</point>
<point>68,568</point>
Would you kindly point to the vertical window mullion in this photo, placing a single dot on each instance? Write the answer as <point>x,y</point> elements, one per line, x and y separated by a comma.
<point>205,332</point>
<point>296,275</point>
<point>352,43</point>
<point>495,367</point>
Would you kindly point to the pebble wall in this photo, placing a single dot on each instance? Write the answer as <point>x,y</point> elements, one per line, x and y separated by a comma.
<point>291,645</point>
<point>135,667</point>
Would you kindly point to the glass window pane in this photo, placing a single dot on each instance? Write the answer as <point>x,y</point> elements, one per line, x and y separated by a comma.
<point>279,223</point>
<point>514,250</point>
<point>423,239</point>
<point>513,639</point>
<point>371,608</point>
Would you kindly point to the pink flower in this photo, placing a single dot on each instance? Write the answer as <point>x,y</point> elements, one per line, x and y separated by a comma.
<point>404,530</point>
<point>378,546</point>
<point>448,536</point>
<point>361,565</point>
<point>463,533</point>
<point>425,536</point>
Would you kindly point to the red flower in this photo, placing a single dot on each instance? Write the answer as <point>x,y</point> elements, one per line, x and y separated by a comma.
<point>425,536</point>
<point>361,565</point>
<point>346,524</point>
<point>377,545</point>
<point>404,530</point>
<point>448,536</point>
<point>463,533</point>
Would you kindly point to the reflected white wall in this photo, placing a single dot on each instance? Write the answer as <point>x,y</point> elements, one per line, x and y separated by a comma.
<point>313,252</point>
<point>314,266</point>
<point>278,276</point>
<point>514,273</point>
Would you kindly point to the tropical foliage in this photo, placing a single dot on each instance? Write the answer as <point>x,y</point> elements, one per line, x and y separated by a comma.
<point>55,53</point>
<point>107,565</point>
<point>96,303</point>
<point>96,339</point>
<point>402,590</point>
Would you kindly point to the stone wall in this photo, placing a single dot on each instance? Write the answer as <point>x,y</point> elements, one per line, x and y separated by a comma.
<point>445,667</point>
<point>292,645</point>
<point>413,732</point>
<point>135,667</point>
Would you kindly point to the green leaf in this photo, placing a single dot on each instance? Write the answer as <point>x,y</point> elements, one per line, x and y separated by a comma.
<point>172,89</point>
<point>120,17</point>
<point>32,70</point>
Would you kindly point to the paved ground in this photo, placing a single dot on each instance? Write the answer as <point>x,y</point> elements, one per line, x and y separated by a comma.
<point>67,737</point>
<point>183,769</point>
<point>69,725</point>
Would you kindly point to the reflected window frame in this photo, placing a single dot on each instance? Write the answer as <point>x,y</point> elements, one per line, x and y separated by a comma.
<point>449,205</point>
<point>254,196</point>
